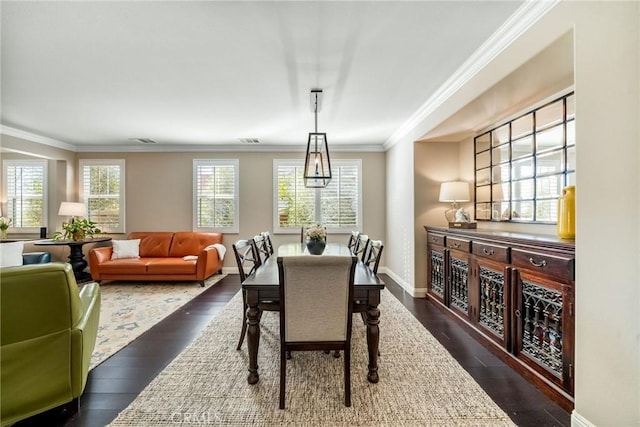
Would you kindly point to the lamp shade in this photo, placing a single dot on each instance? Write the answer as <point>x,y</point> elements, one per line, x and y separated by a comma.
<point>455,191</point>
<point>72,209</point>
<point>317,166</point>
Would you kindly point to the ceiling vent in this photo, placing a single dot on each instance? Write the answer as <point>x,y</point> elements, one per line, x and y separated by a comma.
<point>143,140</point>
<point>249,140</point>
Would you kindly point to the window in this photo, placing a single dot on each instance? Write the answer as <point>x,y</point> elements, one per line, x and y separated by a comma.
<point>338,206</point>
<point>215,195</point>
<point>521,166</point>
<point>25,186</point>
<point>102,190</point>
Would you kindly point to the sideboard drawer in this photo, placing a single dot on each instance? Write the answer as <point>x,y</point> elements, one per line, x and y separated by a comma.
<point>458,244</point>
<point>546,263</point>
<point>494,252</point>
<point>436,239</point>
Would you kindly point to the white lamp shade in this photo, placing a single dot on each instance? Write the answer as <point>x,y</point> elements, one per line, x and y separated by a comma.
<point>455,191</point>
<point>72,209</point>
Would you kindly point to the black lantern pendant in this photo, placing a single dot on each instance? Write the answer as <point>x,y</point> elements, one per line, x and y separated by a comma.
<point>317,166</point>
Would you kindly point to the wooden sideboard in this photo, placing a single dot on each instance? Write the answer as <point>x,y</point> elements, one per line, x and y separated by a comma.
<point>515,293</point>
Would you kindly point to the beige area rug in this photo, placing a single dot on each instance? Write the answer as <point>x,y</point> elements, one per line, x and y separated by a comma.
<point>420,383</point>
<point>128,309</point>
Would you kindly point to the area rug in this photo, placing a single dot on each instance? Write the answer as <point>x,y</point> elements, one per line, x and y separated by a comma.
<point>421,384</point>
<point>128,309</point>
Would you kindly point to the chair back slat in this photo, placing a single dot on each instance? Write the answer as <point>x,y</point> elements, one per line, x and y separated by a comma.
<point>373,255</point>
<point>361,246</point>
<point>353,241</point>
<point>247,257</point>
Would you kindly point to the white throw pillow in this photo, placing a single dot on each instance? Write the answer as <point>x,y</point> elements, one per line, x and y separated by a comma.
<point>125,249</point>
<point>11,254</point>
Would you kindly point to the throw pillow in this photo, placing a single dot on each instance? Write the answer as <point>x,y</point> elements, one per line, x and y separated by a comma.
<point>125,249</point>
<point>11,254</point>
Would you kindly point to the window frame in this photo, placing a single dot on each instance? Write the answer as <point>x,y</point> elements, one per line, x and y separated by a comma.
<point>236,196</point>
<point>335,164</point>
<point>122,194</point>
<point>45,192</point>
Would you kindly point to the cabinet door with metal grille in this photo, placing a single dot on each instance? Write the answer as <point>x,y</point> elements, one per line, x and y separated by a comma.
<point>494,296</point>
<point>544,326</point>
<point>458,281</point>
<point>436,268</point>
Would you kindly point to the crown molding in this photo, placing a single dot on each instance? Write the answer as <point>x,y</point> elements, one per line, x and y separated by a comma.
<point>153,148</point>
<point>7,130</point>
<point>523,18</point>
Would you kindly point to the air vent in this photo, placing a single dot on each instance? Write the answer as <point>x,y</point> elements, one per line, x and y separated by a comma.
<point>249,140</point>
<point>143,140</point>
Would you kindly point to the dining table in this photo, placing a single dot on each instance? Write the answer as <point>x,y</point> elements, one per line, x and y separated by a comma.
<point>263,286</point>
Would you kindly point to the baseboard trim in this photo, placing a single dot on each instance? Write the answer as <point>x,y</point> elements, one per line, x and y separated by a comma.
<point>578,420</point>
<point>414,292</point>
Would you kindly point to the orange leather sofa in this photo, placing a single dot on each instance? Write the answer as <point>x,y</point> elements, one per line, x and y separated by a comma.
<point>161,258</point>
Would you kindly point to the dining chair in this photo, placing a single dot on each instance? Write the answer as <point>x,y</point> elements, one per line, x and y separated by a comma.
<point>248,261</point>
<point>268,243</point>
<point>260,242</point>
<point>373,255</point>
<point>361,246</point>
<point>353,241</point>
<point>324,324</point>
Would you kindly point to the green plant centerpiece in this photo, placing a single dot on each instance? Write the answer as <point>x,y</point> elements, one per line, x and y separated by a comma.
<point>316,239</point>
<point>77,229</point>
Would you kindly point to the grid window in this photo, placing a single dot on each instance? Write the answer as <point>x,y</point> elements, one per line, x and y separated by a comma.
<point>338,206</point>
<point>216,195</point>
<point>25,187</point>
<point>102,190</point>
<point>521,166</point>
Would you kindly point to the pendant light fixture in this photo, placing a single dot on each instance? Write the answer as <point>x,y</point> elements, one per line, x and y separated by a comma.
<point>317,166</point>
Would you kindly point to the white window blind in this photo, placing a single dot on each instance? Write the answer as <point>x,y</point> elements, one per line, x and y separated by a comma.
<point>25,186</point>
<point>216,195</point>
<point>102,190</point>
<point>338,206</point>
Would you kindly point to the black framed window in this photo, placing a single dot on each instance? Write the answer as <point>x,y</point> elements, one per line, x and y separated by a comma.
<point>521,166</point>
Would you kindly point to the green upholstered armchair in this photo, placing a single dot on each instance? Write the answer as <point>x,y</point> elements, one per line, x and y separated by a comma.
<point>48,331</point>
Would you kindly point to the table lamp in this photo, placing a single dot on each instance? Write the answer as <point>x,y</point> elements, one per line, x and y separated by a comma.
<point>455,192</point>
<point>72,209</point>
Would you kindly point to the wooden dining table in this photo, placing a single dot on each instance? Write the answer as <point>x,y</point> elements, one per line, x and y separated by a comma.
<point>263,286</point>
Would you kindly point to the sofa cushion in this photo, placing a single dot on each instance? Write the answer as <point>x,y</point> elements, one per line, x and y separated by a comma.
<point>153,243</point>
<point>170,266</point>
<point>192,243</point>
<point>125,249</point>
<point>124,266</point>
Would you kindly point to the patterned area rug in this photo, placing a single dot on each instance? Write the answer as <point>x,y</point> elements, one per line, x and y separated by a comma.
<point>421,384</point>
<point>128,309</point>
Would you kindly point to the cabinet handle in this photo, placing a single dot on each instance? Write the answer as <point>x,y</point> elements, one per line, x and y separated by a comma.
<point>434,239</point>
<point>456,245</point>
<point>537,264</point>
<point>487,252</point>
<point>517,313</point>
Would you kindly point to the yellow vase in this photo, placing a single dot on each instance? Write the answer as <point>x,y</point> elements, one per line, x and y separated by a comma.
<point>567,213</point>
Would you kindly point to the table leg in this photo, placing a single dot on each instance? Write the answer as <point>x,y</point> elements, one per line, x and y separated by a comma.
<point>78,262</point>
<point>253,335</point>
<point>372,316</point>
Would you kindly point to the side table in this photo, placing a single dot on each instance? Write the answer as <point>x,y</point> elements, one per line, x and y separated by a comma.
<point>76,256</point>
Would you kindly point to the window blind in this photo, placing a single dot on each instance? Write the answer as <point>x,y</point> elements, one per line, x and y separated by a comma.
<point>103,193</point>
<point>25,187</point>
<point>216,194</point>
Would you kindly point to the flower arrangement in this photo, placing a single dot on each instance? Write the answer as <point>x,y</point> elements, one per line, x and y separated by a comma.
<point>5,223</point>
<point>77,229</point>
<point>317,232</point>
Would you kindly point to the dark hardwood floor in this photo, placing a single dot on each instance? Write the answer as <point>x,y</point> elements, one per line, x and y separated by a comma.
<point>112,385</point>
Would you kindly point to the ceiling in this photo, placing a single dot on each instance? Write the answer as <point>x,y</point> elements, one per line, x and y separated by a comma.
<point>209,74</point>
